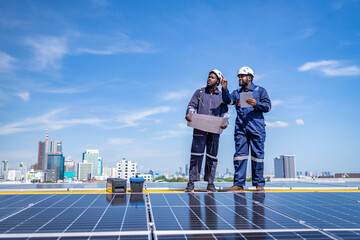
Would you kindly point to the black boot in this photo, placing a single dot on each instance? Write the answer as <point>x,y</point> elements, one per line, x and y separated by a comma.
<point>211,187</point>
<point>190,187</point>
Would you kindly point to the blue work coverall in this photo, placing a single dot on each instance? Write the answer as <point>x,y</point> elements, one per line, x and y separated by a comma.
<point>249,131</point>
<point>204,102</point>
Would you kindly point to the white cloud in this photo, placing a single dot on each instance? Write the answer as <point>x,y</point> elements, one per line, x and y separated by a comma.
<point>314,65</point>
<point>66,90</point>
<point>299,121</point>
<point>24,96</point>
<point>330,68</point>
<point>48,50</point>
<point>51,119</point>
<point>277,124</point>
<point>173,96</point>
<point>134,119</point>
<point>276,102</point>
<point>6,62</point>
<point>342,71</point>
<point>111,44</point>
<point>120,141</point>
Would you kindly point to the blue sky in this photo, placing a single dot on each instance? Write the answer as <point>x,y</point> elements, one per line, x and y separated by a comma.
<point>117,76</point>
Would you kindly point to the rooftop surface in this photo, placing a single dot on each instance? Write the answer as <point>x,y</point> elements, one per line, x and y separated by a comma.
<point>289,211</point>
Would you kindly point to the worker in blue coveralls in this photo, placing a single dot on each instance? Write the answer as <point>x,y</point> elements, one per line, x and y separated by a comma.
<point>249,129</point>
<point>208,101</point>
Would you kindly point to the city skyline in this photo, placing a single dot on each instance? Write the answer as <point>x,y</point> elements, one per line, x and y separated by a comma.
<point>117,76</point>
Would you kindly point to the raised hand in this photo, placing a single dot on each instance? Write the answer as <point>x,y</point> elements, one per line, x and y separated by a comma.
<point>224,82</point>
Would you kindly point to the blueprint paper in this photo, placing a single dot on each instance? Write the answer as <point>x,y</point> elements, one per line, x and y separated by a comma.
<point>207,123</point>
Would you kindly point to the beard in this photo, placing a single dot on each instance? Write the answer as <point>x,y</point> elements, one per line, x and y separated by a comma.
<point>214,85</point>
<point>242,84</point>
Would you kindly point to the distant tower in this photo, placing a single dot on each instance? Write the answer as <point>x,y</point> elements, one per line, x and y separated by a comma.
<point>69,168</point>
<point>51,159</point>
<point>92,156</point>
<point>45,148</point>
<point>186,169</point>
<point>4,168</point>
<point>84,170</point>
<point>284,166</point>
<point>23,171</point>
<point>126,169</point>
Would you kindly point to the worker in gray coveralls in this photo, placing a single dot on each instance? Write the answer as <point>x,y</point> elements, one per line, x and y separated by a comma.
<point>208,101</point>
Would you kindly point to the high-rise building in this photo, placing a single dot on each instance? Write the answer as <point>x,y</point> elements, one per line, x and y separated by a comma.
<point>45,148</point>
<point>41,156</point>
<point>126,169</point>
<point>55,167</point>
<point>84,170</point>
<point>92,156</point>
<point>69,168</point>
<point>186,169</point>
<point>4,168</point>
<point>284,166</point>
<point>23,172</point>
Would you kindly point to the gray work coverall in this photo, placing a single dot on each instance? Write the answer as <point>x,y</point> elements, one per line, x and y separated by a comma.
<point>204,102</point>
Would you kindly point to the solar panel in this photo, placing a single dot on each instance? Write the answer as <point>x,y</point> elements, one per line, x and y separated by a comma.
<point>270,215</point>
<point>77,216</point>
<point>316,209</point>
<point>353,196</point>
<point>214,213</point>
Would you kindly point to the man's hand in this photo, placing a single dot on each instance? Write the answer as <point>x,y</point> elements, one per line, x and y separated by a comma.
<point>251,101</point>
<point>224,82</point>
<point>187,117</point>
<point>225,126</point>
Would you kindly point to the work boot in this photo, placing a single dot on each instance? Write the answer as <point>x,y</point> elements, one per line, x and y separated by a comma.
<point>260,188</point>
<point>235,188</point>
<point>190,187</point>
<point>211,187</point>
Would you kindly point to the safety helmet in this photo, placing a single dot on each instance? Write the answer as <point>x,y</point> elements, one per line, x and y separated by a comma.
<point>246,71</point>
<point>217,73</point>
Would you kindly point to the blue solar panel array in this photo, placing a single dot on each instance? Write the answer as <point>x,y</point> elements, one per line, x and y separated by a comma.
<point>70,214</point>
<point>269,215</point>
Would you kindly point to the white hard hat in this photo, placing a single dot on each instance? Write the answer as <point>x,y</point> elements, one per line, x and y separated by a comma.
<point>246,71</point>
<point>217,73</point>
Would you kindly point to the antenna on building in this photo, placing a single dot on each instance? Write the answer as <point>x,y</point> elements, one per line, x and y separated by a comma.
<point>47,134</point>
